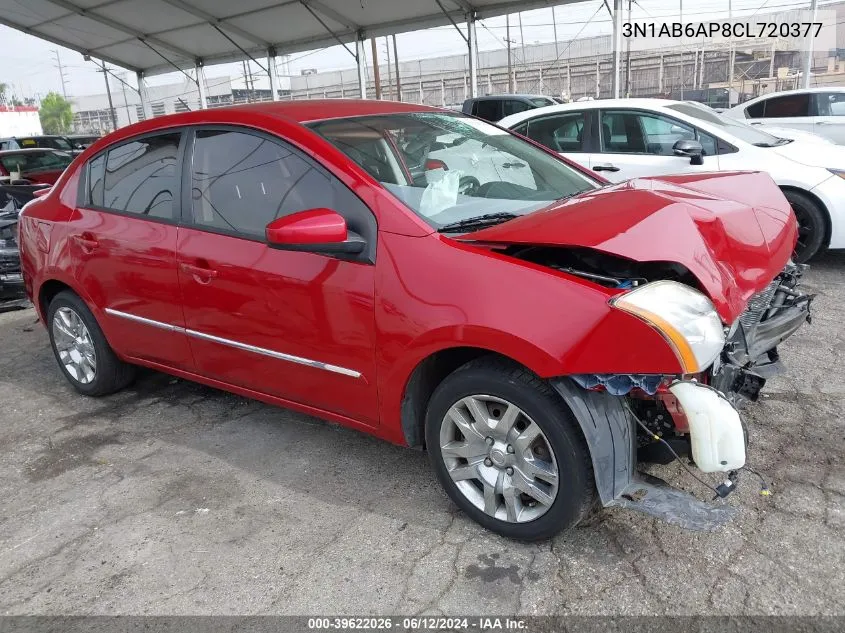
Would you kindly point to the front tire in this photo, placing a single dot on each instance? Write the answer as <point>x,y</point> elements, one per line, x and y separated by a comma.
<point>82,351</point>
<point>812,225</point>
<point>508,451</point>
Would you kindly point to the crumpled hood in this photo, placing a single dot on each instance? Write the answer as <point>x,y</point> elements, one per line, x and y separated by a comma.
<point>734,231</point>
<point>827,155</point>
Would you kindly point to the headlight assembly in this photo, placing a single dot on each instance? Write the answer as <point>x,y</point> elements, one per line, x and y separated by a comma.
<point>683,316</point>
<point>838,172</point>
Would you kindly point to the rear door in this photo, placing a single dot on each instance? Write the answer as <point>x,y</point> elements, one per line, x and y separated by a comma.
<point>830,115</point>
<point>567,133</point>
<point>123,241</point>
<point>636,143</point>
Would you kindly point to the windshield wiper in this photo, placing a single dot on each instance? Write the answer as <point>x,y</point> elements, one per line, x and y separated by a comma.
<point>478,222</point>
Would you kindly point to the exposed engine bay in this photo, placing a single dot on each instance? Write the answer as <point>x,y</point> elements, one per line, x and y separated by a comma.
<point>608,270</point>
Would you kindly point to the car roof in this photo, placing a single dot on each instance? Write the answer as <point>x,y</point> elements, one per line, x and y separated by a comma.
<point>510,96</point>
<point>306,111</point>
<point>783,93</point>
<point>648,104</point>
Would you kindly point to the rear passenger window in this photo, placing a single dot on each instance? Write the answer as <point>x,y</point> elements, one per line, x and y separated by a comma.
<point>755,111</point>
<point>787,106</point>
<point>140,177</point>
<point>241,182</point>
<point>561,132</point>
<point>96,173</point>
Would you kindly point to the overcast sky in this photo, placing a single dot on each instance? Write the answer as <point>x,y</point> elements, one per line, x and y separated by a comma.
<point>28,64</point>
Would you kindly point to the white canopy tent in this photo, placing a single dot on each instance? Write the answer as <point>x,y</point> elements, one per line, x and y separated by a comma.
<point>152,37</point>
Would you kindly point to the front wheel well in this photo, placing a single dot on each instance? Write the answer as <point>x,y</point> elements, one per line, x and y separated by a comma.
<point>828,224</point>
<point>425,378</point>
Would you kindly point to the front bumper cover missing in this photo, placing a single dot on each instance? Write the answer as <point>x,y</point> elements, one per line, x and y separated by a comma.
<point>610,433</point>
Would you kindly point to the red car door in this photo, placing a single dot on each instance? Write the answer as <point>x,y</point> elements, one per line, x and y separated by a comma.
<point>123,242</point>
<point>295,325</point>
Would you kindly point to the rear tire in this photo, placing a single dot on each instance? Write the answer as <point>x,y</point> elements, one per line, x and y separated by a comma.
<point>491,469</point>
<point>812,225</point>
<point>82,351</point>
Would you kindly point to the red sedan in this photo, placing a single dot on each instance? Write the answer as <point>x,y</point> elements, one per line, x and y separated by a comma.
<point>436,281</point>
<point>37,165</point>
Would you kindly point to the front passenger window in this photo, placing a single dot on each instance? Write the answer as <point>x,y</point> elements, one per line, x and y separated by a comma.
<point>240,182</point>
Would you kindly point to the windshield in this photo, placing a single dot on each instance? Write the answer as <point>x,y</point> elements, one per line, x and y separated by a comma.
<point>739,129</point>
<point>541,102</point>
<point>450,168</point>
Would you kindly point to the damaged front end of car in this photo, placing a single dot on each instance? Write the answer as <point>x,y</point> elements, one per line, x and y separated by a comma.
<point>631,419</point>
<point>750,355</point>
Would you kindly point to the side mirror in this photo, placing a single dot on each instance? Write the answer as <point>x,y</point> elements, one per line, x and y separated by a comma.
<point>315,231</point>
<point>691,149</point>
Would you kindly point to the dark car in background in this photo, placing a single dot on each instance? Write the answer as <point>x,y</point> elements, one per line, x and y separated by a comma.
<point>82,141</point>
<point>12,200</point>
<point>38,166</point>
<point>52,141</point>
<point>496,107</point>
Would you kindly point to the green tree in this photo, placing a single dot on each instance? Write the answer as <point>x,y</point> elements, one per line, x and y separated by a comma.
<point>3,88</point>
<point>55,114</point>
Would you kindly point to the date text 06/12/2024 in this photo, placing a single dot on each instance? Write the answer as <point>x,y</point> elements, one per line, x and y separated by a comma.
<point>739,30</point>
<point>418,623</point>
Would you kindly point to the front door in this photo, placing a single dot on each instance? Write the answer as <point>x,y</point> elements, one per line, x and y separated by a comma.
<point>636,143</point>
<point>295,325</point>
<point>123,236</point>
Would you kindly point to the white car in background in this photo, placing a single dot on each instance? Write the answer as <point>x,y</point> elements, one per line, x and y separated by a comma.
<point>817,110</point>
<point>630,138</point>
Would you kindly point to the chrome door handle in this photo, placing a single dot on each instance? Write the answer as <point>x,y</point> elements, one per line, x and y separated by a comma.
<point>605,167</point>
<point>199,273</point>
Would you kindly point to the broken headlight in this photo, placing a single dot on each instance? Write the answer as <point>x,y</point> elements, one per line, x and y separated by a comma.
<point>684,316</point>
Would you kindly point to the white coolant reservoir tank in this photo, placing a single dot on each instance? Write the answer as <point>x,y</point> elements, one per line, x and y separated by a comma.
<point>716,435</point>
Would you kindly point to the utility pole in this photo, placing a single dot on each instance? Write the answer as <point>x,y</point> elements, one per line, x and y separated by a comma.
<point>108,93</point>
<point>521,38</point>
<point>628,57</point>
<point>376,77</point>
<point>508,40</point>
<point>246,82</point>
<point>681,3</point>
<point>396,65</point>
<point>61,72</point>
<point>125,102</point>
<point>557,53</point>
<point>389,75</point>
<point>808,60</point>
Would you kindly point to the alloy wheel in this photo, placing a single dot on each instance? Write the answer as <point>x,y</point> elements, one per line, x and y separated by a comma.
<point>499,458</point>
<point>74,345</point>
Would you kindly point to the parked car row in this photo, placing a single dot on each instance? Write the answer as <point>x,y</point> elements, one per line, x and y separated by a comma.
<point>38,166</point>
<point>630,138</point>
<point>12,200</point>
<point>817,110</point>
<point>73,143</point>
<point>441,282</point>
